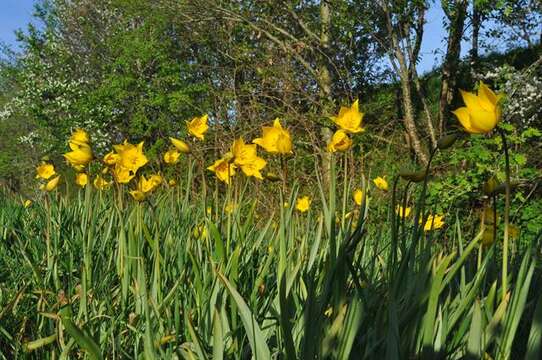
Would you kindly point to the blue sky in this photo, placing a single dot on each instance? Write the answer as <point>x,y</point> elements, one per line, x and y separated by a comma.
<point>15,14</point>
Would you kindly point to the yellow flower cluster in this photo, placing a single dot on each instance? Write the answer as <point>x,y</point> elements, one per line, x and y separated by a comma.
<point>349,122</point>
<point>46,171</point>
<point>81,153</point>
<point>275,139</point>
<point>480,115</point>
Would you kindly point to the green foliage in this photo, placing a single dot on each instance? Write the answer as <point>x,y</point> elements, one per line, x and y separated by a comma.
<point>167,278</point>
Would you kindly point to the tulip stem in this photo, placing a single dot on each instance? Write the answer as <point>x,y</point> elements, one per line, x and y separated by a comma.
<point>394,222</point>
<point>506,215</point>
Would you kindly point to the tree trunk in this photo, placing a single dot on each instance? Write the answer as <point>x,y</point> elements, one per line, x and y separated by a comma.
<point>476,22</point>
<point>402,69</point>
<point>408,117</point>
<point>451,61</point>
<point>325,80</point>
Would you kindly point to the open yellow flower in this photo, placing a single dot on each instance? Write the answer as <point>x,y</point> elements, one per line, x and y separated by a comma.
<point>197,127</point>
<point>349,118</point>
<point>80,155</point>
<point>303,204</point>
<point>403,212</point>
<point>358,196</point>
<point>245,157</point>
<point>101,184</point>
<point>381,183</point>
<point>275,139</point>
<point>482,111</point>
<point>81,179</point>
<point>80,136</point>
<point>145,186</point>
<point>180,145</point>
<point>171,156</point>
<point>137,195</point>
<point>254,167</point>
<point>223,169</point>
<point>51,184</point>
<point>45,171</point>
<point>111,158</point>
<point>339,141</point>
<point>155,180</point>
<point>123,175</point>
<point>242,152</point>
<point>433,222</point>
<point>131,156</point>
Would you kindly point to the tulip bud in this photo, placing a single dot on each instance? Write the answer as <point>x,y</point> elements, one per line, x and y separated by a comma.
<point>228,156</point>
<point>501,188</point>
<point>414,176</point>
<point>272,177</point>
<point>447,141</point>
<point>489,186</point>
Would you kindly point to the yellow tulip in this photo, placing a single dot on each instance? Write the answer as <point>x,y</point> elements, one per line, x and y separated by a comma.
<point>123,175</point>
<point>349,118</point>
<point>482,111</point>
<point>403,212</point>
<point>275,139</point>
<point>171,156</point>
<point>101,184</point>
<point>197,127</point>
<point>180,145</point>
<point>45,171</point>
<point>79,157</point>
<point>230,207</point>
<point>81,179</point>
<point>245,157</point>
<point>303,204</point>
<point>150,184</point>
<point>433,222</point>
<point>242,152</point>
<point>339,142</point>
<point>172,182</point>
<point>200,231</point>
<point>80,136</point>
<point>223,169</point>
<point>111,158</point>
<point>358,196</point>
<point>381,183</point>
<point>51,184</point>
<point>155,181</point>
<point>27,203</point>
<point>137,195</point>
<point>131,156</point>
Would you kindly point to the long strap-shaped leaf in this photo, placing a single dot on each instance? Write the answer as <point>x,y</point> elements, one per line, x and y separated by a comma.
<point>254,334</point>
<point>86,342</point>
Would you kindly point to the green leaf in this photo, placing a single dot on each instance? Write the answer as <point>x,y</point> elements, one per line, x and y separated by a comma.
<point>254,334</point>
<point>474,348</point>
<point>83,340</point>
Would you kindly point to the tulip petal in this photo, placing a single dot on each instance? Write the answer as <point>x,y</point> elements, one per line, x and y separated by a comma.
<point>463,116</point>
<point>487,94</point>
<point>483,121</point>
<point>471,101</point>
